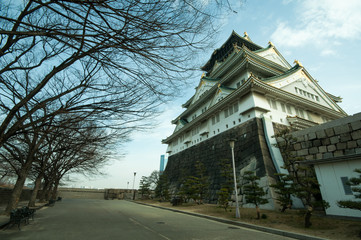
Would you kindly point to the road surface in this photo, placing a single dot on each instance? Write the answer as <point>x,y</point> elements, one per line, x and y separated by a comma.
<point>118,219</point>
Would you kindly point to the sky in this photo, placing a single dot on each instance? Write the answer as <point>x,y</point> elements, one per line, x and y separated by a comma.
<point>324,35</point>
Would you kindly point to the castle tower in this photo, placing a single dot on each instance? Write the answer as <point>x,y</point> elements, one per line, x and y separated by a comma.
<point>244,94</point>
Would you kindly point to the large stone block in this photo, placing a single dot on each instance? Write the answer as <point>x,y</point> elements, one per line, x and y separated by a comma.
<point>302,152</point>
<point>350,151</point>
<point>356,135</point>
<point>322,149</point>
<point>356,125</point>
<point>331,148</point>
<point>327,155</point>
<point>316,143</point>
<point>334,139</point>
<point>321,134</point>
<point>344,137</point>
<point>297,146</point>
<point>311,136</point>
<point>326,141</point>
<point>329,132</point>
<point>338,153</point>
<point>341,129</point>
<point>351,144</point>
<point>313,150</point>
<point>341,146</point>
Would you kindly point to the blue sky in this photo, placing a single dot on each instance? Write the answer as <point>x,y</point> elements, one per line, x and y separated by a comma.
<point>324,35</point>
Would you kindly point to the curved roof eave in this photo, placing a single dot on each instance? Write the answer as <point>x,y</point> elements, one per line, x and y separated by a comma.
<point>226,47</point>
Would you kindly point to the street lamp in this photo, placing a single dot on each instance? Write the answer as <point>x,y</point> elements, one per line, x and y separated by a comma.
<point>231,143</point>
<point>133,193</point>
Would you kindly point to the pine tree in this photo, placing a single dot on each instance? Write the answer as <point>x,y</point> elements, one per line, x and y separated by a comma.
<point>162,188</point>
<point>225,192</point>
<point>284,189</point>
<point>195,187</point>
<point>253,192</point>
<point>144,186</point>
<point>304,182</point>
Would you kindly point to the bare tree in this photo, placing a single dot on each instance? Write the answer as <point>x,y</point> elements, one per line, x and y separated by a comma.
<point>118,59</point>
<point>110,62</point>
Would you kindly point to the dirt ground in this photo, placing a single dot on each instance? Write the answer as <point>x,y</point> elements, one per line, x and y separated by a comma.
<point>291,220</point>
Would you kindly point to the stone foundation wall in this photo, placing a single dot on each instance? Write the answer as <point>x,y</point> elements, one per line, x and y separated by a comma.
<point>251,153</point>
<point>338,138</point>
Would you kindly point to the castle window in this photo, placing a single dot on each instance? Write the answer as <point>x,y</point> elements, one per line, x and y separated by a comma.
<point>300,112</point>
<point>238,84</point>
<point>289,110</point>
<point>235,107</point>
<point>274,104</point>
<point>283,107</point>
<point>346,186</point>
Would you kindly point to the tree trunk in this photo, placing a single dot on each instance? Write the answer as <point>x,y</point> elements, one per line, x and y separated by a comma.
<point>16,193</point>
<point>35,191</point>
<point>258,213</point>
<point>48,192</point>
<point>43,191</point>
<point>308,217</point>
<point>55,190</point>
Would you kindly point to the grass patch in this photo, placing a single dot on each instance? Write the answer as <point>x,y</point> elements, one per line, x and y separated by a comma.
<point>291,220</point>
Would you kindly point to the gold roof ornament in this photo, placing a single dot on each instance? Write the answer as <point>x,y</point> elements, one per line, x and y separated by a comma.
<point>298,63</point>
<point>245,34</point>
<point>203,75</point>
<point>235,46</point>
<point>271,43</point>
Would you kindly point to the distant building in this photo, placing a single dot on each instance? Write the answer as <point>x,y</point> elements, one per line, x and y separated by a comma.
<point>246,92</point>
<point>162,162</point>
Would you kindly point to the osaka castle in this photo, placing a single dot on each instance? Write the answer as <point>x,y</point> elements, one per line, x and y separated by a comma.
<point>246,93</point>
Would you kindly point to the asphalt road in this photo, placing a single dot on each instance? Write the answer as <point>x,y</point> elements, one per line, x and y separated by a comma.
<point>113,219</point>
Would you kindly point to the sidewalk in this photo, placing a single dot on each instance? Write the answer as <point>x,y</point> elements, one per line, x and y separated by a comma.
<point>5,219</point>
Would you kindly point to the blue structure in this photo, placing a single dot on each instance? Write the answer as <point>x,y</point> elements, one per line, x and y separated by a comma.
<point>162,160</point>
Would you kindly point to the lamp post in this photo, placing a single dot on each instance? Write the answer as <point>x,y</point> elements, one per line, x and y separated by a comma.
<point>133,193</point>
<point>231,144</point>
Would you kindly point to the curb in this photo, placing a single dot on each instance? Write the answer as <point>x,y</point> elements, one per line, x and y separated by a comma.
<point>240,224</point>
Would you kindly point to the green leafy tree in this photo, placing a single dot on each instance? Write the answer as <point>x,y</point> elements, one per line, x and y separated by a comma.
<point>304,182</point>
<point>356,188</point>
<point>284,189</point>
<point>225,192</point>
<point>253,192</point>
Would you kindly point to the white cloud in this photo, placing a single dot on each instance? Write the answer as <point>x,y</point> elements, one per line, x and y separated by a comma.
<point>328,52</point>
<point>321,22</point>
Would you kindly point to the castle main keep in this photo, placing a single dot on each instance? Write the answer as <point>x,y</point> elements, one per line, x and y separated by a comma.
<point>245,93</point>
